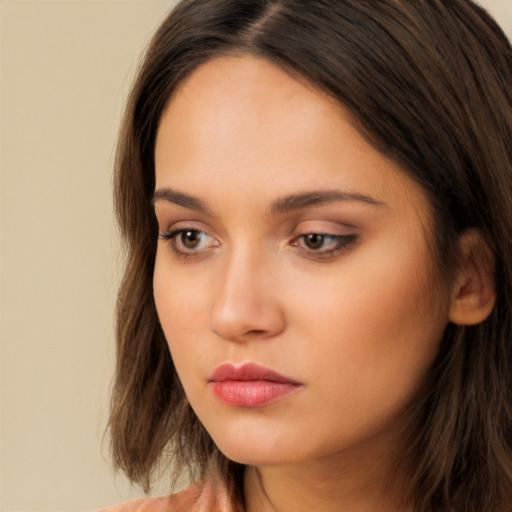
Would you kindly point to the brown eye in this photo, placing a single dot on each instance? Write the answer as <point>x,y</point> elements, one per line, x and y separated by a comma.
<point>189,242</point>
<point>314,241</point>
<point>323,245</point>
<point>191,238</point>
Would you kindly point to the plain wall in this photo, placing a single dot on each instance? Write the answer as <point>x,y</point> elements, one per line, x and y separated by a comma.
<point>65,70</point>
<point>65,67</point>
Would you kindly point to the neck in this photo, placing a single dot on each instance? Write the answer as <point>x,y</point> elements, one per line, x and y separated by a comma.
<point>347,482</point>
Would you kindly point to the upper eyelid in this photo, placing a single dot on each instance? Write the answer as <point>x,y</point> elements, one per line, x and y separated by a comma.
<point>177,230</point>
<point>333,228</point>
<point>179,225</point>
<point>349,237</point>
<point>304,227</point>
<point>296,233</point>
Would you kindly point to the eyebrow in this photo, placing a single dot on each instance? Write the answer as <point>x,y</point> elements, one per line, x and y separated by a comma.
<point>280,206</point>
<point>319,198</point>
<point>180,198</point>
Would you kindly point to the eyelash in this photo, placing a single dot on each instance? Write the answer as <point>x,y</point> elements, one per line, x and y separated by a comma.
<point>342,243</point>
<point>173,234</point>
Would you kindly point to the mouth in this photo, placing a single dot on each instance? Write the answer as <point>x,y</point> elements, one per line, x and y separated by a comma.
<point>250,385</point>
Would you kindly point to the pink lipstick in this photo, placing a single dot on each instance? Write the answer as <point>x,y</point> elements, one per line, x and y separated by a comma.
<point>250,385</point>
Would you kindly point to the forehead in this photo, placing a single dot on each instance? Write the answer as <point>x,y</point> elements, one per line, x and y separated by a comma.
<point>250,78</point>
<point>241,98</point>
<point>242,124</point>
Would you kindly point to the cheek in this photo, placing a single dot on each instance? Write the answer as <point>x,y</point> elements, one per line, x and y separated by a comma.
<point>181,301</point>
<point>178,294</point>
<point>377,323</point>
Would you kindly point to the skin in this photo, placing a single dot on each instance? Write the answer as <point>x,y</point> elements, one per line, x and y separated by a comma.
<point>358,326</point>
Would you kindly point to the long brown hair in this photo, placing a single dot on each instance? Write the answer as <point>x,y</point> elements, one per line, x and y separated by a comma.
<point>430,83</point>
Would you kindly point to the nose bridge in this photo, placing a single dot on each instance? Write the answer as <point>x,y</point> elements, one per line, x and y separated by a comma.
<point>244,304</point>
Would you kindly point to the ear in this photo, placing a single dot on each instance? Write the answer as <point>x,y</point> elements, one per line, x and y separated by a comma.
<point>474,291</point>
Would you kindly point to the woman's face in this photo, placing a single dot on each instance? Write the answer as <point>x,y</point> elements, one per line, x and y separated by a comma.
<point>288,242</point>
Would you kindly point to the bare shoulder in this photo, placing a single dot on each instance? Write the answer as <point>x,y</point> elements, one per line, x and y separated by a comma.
<point>180,502</point>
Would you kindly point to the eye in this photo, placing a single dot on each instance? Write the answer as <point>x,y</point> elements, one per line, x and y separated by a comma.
<point>189,242</point>
<point>316,241</point>
<point>323,245</point>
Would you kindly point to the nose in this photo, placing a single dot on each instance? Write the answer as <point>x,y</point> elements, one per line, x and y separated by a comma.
<point>246,305</point>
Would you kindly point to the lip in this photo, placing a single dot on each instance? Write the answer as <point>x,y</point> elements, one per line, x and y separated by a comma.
<point>250,385</point>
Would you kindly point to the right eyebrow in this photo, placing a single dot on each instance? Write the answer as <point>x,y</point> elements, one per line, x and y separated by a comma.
<point>180,198</point>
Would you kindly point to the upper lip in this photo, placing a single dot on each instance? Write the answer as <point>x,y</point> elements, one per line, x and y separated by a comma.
<point>247,372</point>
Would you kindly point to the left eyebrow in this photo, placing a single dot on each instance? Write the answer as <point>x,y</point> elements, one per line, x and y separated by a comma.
<point>319,198</point>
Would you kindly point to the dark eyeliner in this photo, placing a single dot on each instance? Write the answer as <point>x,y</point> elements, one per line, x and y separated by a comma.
<point>343,242</point>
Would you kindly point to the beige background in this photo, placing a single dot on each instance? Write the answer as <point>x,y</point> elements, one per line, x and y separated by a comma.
<point>64,70</point>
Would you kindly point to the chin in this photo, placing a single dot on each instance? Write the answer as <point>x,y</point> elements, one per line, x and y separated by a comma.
<point>255,456</point>
<point>253,450</point>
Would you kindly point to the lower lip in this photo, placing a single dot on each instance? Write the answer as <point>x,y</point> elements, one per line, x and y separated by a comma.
<point>252,393</point>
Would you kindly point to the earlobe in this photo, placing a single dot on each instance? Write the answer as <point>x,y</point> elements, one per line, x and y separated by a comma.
<point>474,290</point>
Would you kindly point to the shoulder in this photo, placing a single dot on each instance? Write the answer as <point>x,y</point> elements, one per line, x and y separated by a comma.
<point>180,502</point>
<point>209,496</point>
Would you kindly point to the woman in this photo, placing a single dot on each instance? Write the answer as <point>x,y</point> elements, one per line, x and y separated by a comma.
<point>316,312</point>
